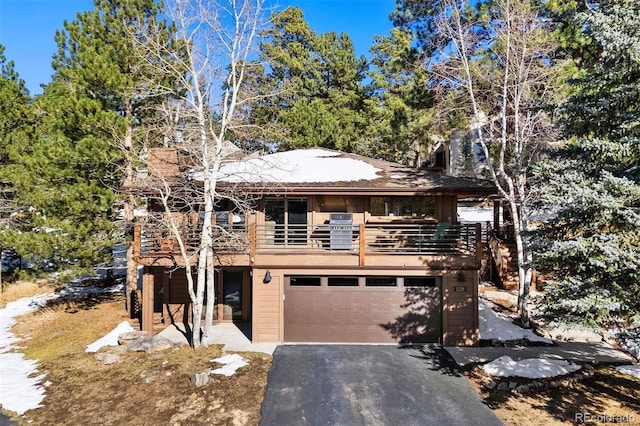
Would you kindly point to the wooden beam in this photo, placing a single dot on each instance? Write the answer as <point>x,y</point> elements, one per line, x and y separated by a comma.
<point>252,243</point>
<point>136,242</point>
<point>147,303</point>
<point>361,246</point>
<point>478,245</point>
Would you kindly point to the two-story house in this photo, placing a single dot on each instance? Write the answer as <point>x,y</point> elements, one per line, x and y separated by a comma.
<point>336,248</point>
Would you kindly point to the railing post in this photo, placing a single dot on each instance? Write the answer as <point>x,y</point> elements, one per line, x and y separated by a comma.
<point>136,242</point>
<point>252,242</point>
<point>361,245</point>
<point>478,245</point>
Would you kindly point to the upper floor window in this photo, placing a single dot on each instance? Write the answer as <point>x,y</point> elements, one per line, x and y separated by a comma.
<point>286,219</point>
<point>403,206</point>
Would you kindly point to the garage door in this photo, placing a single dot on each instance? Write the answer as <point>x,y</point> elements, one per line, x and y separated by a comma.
<point>362,309</point>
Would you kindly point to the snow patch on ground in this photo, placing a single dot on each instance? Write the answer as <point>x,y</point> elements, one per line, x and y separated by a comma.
<point>532,368</point>
<point>111,339</point>
<point>231,363</point>
<point>298,166</point>
<point>20,388</point>
<point>497,326</point>
<point>631,370</point>
<point>20,384</point>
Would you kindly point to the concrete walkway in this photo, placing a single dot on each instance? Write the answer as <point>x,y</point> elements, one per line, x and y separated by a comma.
<point>224,333</point>
<point>597,352</point>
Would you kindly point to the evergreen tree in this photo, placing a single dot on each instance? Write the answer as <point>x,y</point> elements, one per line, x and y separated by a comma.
<point>322,100</point>
<point>85,140</point>
<point>404,117</point>
<point>16,125</point>
<point>592,184</point>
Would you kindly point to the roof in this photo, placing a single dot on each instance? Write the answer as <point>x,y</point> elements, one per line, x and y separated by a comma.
<point>324,171</point>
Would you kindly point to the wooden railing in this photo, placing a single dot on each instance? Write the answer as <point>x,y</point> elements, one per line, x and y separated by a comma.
<point>370,238</point>
<point>161,242</point>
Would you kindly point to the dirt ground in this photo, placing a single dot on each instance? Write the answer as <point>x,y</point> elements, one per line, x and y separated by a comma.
<point>560,401</point>
<point>144,389</point>
<point>155,389</point>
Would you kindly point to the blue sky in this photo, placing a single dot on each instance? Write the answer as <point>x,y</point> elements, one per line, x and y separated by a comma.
<point>27,27</point>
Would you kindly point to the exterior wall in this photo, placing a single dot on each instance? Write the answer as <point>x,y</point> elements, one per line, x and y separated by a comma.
<point>460,308</point>
<point>267,310</point>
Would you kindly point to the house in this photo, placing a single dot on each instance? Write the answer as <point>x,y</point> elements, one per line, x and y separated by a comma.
<point>337,247</point>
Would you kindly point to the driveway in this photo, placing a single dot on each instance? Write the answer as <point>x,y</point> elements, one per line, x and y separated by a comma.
<point>369,385</point>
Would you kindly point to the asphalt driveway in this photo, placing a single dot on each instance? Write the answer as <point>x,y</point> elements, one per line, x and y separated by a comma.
<point>369,385</point>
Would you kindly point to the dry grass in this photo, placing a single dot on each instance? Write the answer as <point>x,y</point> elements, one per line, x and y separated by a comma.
<point>20,289</point>
<point>144,389</point>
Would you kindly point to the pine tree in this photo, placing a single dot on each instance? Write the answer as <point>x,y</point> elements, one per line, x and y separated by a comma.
<point>404,117</point>
<point>322,100</point>
<point>592,184</point>
<point>91,123</point>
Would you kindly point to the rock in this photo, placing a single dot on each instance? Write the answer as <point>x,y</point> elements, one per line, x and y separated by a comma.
<point>125,338</point>
<point>503,386</point>
<point>118,350</point>
<point>150,344</point>
<point>513,385</point>
<point>490,384</point>
<point>107,358</point>
<point>522,389</point>
<point>149,379</point>
<point>200,379</point>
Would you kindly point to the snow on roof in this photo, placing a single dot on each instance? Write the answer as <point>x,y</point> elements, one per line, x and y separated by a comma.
<point>531,368</point>
<point>299,166</point>
<point>497,326</point>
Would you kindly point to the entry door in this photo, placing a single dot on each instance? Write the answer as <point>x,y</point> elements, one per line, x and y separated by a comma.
<point>232,295</point>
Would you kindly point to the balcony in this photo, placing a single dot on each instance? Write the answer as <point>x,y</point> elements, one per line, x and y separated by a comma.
<point>393,239</point>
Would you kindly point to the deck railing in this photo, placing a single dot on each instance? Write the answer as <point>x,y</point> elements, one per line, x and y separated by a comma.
<point>371,238</point>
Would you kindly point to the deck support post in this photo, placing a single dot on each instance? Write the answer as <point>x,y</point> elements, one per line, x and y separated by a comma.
<point>479,245</point>
<point>147,303</point>
<point>361,245</point>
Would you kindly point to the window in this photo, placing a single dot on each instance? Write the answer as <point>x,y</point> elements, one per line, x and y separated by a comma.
<point>381,281</point>
<point>340,204</point>
<point>342,281</point>
<point>422,281</point>
<point>403,206</point>
<point>286,219</point>
<point>228,216</point>
<point>303,281</point>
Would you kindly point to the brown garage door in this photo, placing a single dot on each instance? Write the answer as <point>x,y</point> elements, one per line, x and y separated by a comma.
<point>362,309</point>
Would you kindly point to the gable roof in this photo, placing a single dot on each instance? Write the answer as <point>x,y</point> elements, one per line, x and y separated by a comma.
<point>324,171</point>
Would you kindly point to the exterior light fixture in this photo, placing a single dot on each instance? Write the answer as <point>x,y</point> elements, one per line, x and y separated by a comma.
<point>461,277</point>
<point>267,277</point>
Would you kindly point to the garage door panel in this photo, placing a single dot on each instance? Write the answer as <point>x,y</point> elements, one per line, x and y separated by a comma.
<point>362,314</point>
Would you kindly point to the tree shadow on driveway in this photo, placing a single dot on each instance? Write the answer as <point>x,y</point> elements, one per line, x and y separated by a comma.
<point>435,357</point>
